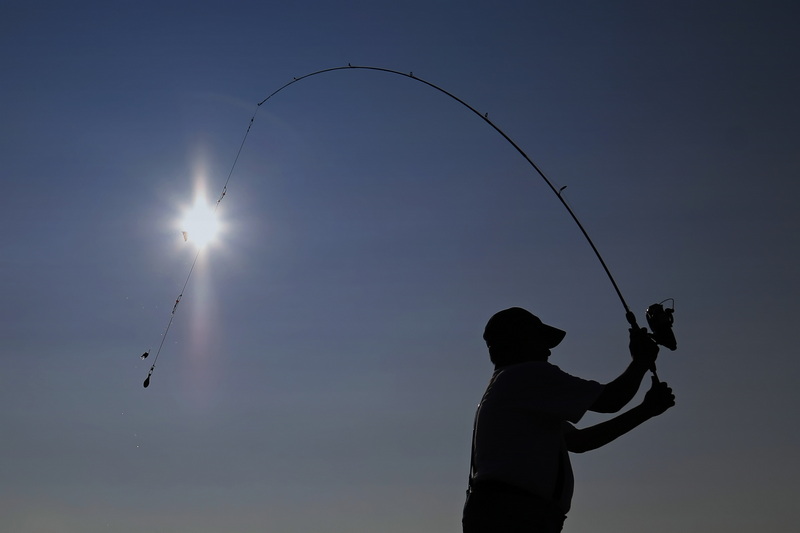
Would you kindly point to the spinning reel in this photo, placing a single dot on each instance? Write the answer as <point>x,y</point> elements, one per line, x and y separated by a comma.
<point>660,321</point>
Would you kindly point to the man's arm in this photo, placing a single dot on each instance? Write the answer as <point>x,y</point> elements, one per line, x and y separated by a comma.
<point>657,400</point>
<point>619,392</point>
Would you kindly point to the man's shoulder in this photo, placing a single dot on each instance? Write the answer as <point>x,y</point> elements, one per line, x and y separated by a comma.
<point>533,367</point>
<point>544,373</point>
<point>531,372</point>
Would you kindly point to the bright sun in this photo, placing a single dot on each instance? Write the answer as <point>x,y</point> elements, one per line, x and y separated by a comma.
<point>200,225</point>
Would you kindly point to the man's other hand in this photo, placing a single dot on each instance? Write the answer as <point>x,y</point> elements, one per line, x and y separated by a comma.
<point>659,398</point>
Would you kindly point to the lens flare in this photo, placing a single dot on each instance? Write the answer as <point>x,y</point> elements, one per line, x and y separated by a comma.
<point>200,224</point>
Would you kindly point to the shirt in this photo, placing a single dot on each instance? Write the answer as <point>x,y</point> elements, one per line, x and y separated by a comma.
<point>519,428</point>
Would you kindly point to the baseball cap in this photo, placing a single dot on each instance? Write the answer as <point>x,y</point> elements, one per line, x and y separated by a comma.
<point>515,323</point>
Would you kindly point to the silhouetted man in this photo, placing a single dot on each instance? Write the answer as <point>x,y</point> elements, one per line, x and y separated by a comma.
<point>521,478</point>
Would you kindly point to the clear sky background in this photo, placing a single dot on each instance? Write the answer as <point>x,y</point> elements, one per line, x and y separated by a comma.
<point>325,362</point>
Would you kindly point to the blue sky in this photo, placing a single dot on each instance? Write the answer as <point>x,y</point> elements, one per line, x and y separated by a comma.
<point>323,367</point>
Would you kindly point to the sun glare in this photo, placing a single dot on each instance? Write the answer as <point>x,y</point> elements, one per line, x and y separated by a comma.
<point>200,224</point>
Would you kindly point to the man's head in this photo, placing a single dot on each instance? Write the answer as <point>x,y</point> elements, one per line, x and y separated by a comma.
<point>516,335</point>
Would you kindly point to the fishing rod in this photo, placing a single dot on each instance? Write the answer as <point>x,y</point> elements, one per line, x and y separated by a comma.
<point>659,318</point>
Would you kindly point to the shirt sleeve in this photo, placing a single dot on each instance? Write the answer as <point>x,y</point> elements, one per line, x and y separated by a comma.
<point>550,391</point>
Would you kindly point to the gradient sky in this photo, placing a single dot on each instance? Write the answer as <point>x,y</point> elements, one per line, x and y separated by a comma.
<point>324,365</point>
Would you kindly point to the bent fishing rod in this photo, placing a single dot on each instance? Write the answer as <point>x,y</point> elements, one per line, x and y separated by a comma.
<point>659,318</point>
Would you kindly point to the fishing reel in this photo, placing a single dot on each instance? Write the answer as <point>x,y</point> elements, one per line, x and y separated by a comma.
<point>660,320</point>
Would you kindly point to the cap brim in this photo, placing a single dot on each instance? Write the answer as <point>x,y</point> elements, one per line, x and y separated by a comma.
<point>552,336</point>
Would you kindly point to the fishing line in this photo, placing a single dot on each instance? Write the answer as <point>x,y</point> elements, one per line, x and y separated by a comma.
<point>194,262</point>
<point>661,322</point>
